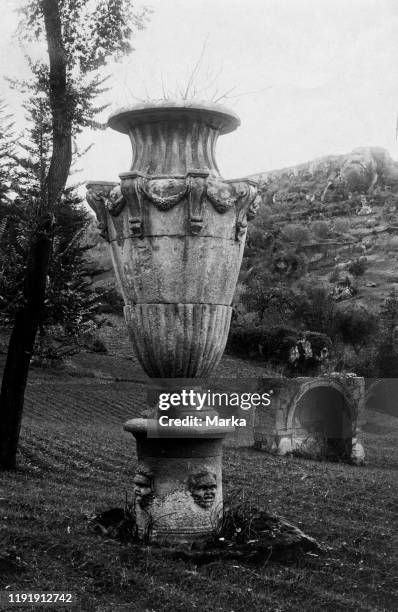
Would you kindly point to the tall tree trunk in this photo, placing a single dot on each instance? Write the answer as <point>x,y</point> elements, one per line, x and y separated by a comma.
<point>28,318</point>
<point>21,345</point>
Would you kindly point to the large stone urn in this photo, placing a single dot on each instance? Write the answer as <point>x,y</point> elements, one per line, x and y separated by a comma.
<point>176,231</point>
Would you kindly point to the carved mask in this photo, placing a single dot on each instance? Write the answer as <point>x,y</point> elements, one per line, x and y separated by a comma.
<point>143,489</point>
<point>203,488</point>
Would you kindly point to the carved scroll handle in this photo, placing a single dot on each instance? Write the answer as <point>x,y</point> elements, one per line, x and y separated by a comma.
<point>97,201</point>
<point>247,206</point>
<point>168,202</point>
<point>116,201</point>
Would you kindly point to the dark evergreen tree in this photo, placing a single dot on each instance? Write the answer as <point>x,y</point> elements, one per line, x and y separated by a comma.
<point>69,299</point>
<point>80,38</point>
<point>11,220</point>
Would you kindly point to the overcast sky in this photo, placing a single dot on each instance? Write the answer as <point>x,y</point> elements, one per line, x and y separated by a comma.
<point>324,75</point>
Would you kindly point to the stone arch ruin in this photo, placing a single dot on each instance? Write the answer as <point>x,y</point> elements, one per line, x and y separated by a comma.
<point>321,422</point>
<point>313,417</point>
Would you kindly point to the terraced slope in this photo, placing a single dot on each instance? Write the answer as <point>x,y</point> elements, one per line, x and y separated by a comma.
<point>335,210</point>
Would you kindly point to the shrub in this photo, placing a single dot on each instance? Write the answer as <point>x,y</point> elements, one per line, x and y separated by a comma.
<point>266,300</point>
<point>355,326</point>
<point>52,347</point>
<point>320,229</point>
<point>296,233</point>
<point>341,226</point>
<point>110,301</point>
<point>70,300</point>
<point>334,275</point>
<point>358,266</point>
<point>245,339</point>
<point>314,307</point>
<point>387,360</point>
<point>288,264</point>
<point>260,341</point>
<point>298,352</point>
<point>364,364</point>
<point>94,343</point>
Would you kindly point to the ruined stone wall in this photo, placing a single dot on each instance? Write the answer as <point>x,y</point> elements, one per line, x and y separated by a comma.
<point>278,429</point>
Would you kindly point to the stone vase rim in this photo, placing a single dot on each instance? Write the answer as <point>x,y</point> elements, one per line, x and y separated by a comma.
<point>219,116</point>
<point>94,183</point>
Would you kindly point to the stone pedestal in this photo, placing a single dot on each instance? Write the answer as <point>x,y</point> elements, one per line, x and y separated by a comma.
<point>178,482</point>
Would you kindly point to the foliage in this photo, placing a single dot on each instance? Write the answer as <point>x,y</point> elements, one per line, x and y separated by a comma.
<point>110,301</point>
<point>334,275</point>
<point>364,363</point>
<point>69,300</point>
<point>341,226</point>
<point>320,229</point>
<point>387,350</point>
<point>314,307</point>
<point>356,326</point>
<point>14,236</point>
<point>260,295</point>
<point>92,34</point>
<point>7,148</point>
<point>13,218</point>
<point>358,266</point>
<point>296,233</point>
<point>296,352</point>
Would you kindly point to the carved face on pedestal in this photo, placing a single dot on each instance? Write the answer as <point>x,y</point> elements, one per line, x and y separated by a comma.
<point>143,488</point>
<point>203,487</point>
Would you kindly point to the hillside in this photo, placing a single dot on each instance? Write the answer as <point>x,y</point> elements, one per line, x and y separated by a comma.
<point>334,211</point>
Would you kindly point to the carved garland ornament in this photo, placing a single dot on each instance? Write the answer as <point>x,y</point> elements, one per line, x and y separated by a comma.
<point>167,202</point>
<point>221,199</point>
<point>242,196</point>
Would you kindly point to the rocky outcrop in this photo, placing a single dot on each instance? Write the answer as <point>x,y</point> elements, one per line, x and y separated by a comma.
<point>364,170</point>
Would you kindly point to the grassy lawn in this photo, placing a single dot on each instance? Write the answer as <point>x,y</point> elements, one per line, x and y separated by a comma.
<point>76,461</point>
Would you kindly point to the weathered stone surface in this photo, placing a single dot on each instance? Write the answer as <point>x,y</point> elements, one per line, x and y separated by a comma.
<point>98,193</point>
<point>314,417</point>
<point>178,340</point>
<point>172,137</point>
<point>185,484</point>
<point>160,269</point>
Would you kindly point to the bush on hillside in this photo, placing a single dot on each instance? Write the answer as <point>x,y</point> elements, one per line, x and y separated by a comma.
<point>358,266</point>
<point>320,229</point>
<point>356,326</point>
<point>297,352</point>
<point>296,233</point>
<point>314,307</point>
